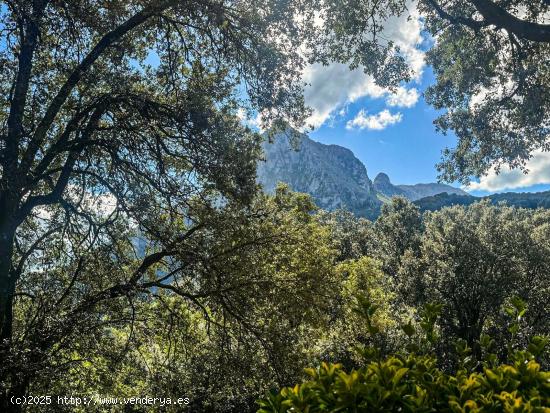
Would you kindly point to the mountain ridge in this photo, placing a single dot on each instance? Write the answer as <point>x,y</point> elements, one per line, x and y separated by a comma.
<point>335,178</point>
<point>383,184</point>
<point>331,174</point>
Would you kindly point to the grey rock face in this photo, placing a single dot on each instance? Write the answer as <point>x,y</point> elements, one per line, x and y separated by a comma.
<point>331,174</point>
<point>334,177</point>
<point>383,185</point>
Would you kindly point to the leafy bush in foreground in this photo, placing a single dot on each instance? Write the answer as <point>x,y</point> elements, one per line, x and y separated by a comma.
<point>414,383</point>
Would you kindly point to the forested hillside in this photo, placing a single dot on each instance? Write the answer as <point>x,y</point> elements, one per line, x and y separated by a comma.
<point>520,200</point>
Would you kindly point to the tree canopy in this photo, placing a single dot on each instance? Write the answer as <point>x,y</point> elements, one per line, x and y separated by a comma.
<point>119,122</point>
<point>128,201</point>
<point>491,63</point>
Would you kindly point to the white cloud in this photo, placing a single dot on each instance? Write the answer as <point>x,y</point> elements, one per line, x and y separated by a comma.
<point>404,98</point>
<point>254,123</point>
<point>241,114</point>
<point>496,91</point>
<point>374,122</point>
<point>103,204</point>
<point>539,173</point>
<point>332,87</point>
<point>406,32</point>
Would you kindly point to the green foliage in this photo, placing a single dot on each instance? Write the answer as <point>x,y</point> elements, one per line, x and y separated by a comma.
<point>254,299</point>
<point>396,231</point>
<point>414,383</point>
<point>136,256</point>
<point>519,200</point>
<point>352,235</point>
<point>364,291</point>
<point>491,80</point>
<point>119,121</point>
<point>474,260</point>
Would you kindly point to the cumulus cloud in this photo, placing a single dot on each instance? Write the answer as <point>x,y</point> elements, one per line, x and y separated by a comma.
<point>406,32</point>
<point>539,173</point>
<point>331,87</point>
<point>374,122</point>
<point>404,98</point>
<point>334,86</point>
<point>496,91</point>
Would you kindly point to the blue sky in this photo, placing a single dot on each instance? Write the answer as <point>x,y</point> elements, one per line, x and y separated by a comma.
<point>407,150</point>
<point>394,133</point>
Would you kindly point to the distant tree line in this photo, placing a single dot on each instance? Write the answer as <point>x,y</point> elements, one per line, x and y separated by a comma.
<point>521,200</point>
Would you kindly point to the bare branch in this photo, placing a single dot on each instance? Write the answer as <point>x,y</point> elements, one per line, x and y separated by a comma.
<point>471,23</point>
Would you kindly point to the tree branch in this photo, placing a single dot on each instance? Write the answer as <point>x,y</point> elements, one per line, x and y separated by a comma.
<point>61,144</point>
<point>19,269</point>
<point>106,41</point>
<point>496,15</point>
<point>29,38</point>
<point>55,195</point>
<point>471,23</point>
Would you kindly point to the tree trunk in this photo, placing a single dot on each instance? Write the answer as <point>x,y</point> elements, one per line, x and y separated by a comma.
<point>18,391</point>
<point>16,386</point>
<point>7,290</point>
<point>7,276</point>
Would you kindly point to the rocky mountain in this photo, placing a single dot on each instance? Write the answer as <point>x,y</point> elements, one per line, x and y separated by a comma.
<point>331,174</point>
<point>334,177</point>
<point>383,185</point>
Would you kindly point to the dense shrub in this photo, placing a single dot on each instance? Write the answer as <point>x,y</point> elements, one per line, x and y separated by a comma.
<point>413,381</point>
<point>415,384</point>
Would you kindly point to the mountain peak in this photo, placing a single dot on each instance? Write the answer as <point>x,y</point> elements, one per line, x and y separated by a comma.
<point>383,185</point>
<point>331,174</point>
<point>334,177</point>
<point>382,179</point>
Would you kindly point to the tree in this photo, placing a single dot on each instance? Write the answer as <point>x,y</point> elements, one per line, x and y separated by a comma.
<point>396,231</point>
<point>362,280</point>
<point>262,282</point>
<point>132,104</point>
<point>473,261</point>
<point>352,235</point>
<point>491,65</point>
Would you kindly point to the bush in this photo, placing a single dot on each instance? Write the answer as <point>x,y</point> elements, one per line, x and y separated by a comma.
<point>414,383</point>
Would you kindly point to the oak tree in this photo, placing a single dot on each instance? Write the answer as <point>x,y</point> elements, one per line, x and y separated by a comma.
<point>118,118</point>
